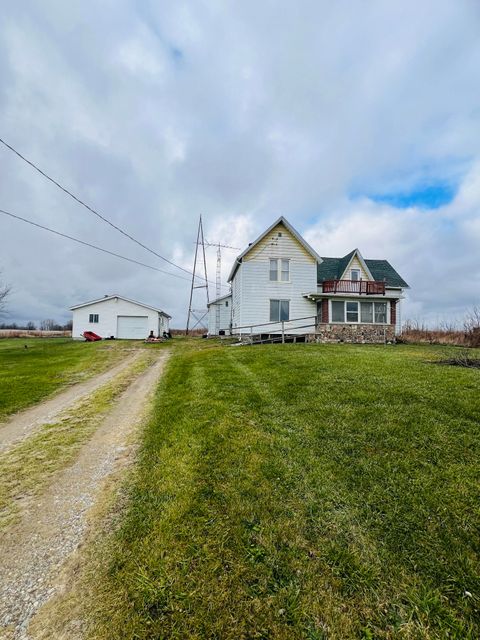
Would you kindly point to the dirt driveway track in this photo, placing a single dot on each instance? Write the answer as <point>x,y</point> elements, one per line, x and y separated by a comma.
<point>33,551</point>
<point>26,422</point>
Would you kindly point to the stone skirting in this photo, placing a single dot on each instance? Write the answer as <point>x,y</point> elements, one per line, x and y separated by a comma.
<point>360,333</point>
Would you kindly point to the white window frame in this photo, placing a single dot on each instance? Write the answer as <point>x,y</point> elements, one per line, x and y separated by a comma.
<point>278,271</point>
<point>93,318</point>
<point>357,304</point>
<point>359,321</point>
<point>279,300</point>
<point>358,272</point>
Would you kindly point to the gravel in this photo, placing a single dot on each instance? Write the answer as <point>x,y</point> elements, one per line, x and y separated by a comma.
<point>52,526</point>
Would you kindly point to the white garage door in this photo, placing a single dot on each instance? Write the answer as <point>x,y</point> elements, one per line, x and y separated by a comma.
<point>134,327</point>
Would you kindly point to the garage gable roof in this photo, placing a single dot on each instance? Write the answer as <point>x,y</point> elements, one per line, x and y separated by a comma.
<point>112,297</point>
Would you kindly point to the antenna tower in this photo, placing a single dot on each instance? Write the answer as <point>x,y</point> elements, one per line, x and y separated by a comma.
<point>196,316</point>
<point>218,287</point>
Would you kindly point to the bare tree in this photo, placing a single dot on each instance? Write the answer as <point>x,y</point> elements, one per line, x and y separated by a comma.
<point>472,327</point>
<point>48,324</point>
<point>5,289</point>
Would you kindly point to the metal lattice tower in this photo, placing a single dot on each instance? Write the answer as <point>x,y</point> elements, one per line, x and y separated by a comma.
<point>218,287</point>
<point>198,315</point>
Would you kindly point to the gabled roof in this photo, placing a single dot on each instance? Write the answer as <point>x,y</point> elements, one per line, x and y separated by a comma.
<point>381,270</point>
<point>288,226</point>
<point>227,295</point>
<point>350,256</point>
<point>115,295</point>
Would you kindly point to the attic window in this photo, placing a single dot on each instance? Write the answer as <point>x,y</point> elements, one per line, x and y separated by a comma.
<point>355,274</point>
<point>279,234</point>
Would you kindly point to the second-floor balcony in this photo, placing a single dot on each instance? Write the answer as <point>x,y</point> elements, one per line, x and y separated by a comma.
<point>360,287</point>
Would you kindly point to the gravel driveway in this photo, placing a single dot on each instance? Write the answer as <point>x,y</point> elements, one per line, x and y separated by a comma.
<point>33,551</point>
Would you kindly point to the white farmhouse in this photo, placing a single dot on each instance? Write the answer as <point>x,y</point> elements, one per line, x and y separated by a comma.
<point>119,317</point>
<point>280,284</point>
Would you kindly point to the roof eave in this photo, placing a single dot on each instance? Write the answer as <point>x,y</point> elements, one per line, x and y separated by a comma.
<point>105,298</point>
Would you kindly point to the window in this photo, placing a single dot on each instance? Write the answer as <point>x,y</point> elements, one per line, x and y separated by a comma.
<point>273,269</point>
<point>226,303</point>
<point>355,274</point>
<point>369,312</point>
<point>366,312</point>
<point>279,270</point>
<point>338,311</point>
<point>279,310</point>
<point>352,311</point>
<point>93,317</point>
<point>381,312</point>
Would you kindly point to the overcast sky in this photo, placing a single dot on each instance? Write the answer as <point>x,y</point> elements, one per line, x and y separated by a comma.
<point>357,120</point>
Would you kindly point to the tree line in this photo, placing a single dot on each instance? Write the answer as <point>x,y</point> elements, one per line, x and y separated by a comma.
<point>44,325</point>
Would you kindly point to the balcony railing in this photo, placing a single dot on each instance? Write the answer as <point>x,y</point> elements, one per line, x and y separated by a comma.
<point>361,287</point>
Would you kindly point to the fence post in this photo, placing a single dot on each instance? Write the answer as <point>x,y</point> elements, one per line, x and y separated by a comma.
<point>251,334</point>
<point>283,331</point>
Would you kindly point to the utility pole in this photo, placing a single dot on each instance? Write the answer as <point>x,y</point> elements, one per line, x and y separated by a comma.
<point>198,315</point>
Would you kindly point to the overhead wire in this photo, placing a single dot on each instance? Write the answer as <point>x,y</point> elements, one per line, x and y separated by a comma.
<point>92,246</point>
<point>96,213</point>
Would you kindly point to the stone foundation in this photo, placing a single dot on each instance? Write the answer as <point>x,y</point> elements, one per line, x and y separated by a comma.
<point>359,333</point>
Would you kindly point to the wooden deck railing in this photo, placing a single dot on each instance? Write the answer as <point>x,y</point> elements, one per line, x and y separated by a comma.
<point>361,287</point>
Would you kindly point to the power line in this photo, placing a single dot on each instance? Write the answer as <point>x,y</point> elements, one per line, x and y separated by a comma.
<point>91,209</point>
<point>92,246</point>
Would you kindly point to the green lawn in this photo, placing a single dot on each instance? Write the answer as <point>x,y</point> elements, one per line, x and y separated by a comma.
<point>29,375</point>
<point>300,491</point>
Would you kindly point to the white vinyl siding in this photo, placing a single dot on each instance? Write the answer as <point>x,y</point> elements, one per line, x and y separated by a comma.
<point>225,307</point>
<point>108,311</point>
<point>253,288</point>
<point>237,298</point>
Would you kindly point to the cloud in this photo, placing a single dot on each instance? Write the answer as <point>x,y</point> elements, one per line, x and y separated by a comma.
<point>157,112</point>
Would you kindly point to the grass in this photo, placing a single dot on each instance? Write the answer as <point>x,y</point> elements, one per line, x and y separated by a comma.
<point>27,467</point>
<point>46,365</point>
<point>298,491</point>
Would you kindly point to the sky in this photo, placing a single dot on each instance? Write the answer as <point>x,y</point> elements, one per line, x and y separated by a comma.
<point>358,121</point>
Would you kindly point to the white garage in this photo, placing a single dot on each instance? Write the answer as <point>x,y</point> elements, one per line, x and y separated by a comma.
<point>118,317</point>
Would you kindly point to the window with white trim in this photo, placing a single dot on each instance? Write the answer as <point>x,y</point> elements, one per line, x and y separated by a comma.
<point>381,312</point>
<point>352,311</point>
<point>366,312</point>
<point>279,269</point>
<point>93,318</point>
<point>279,310</point>
<point>355,274</point>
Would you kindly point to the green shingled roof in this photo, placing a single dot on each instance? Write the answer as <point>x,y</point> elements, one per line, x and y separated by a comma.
<point>333,269</point>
